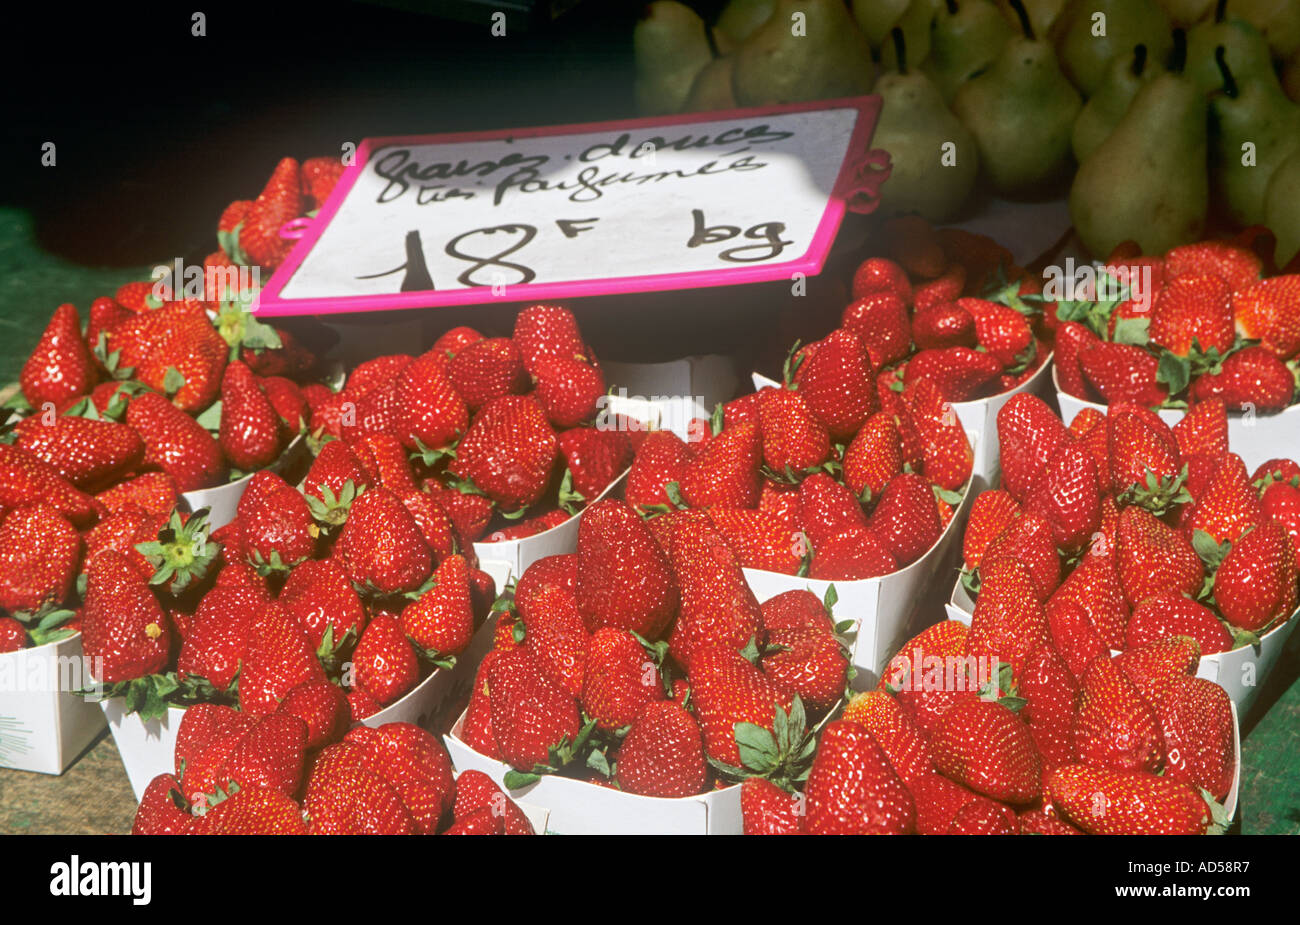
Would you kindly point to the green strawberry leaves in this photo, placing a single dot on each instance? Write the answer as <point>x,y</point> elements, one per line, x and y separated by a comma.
<point>782,755</point>
<point>570,500</point>
<point>330,511</point>
<point>182,553</point>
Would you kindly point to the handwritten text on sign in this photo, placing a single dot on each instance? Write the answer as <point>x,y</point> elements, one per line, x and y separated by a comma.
<point>612,204</point>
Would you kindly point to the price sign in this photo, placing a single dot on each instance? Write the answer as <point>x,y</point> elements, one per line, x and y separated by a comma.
<point>649,204</point>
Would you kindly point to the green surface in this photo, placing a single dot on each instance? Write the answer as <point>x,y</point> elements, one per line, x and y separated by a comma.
<point>94,795</point>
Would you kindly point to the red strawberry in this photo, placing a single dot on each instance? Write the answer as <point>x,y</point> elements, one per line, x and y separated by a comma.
<point>163,810</point>
<point>279,659</point>
<point>476,791</point>
<point>89,454</point>
<point>319,596</point>
<point>1229,505</point>
<point>1002,331</point>
<point>150,492</point>
<point>59,368</point>
<point>1122,372</point>
<point>945,289</point>
<point>793,438</point>
<point>1165,615</point>
<point>898,735</point>
<point>1235,265</point>
<point>429,410</point>
<point>547,331</point>
<point>837,383</point>
<point>1252,379</point>
<point>175,442</point>
<point>947,808</point>
<point>910,674</point>
<point>906,519</point>
<point>1196,720</point>
<point>766,809</point>
<point>1114,727</point>
<point>253,811</point>
<point>26,479</point>
<point>508,452</point>
<point>345,797</point>
<point>880,321</point>
<point>532,720</point>
<point>595,459</point>
<point>1193,309</point>
<point>12,635</point>
<point>726,690</point>
<point>990,514</point>
<point>384,664</point>
<point>1044,822</point>
<point>1009,619</point>
<point>278,530</point>
<point>717,606</point>
<point>985,746</point>
<point>947,455</point>
<point>476,728</point>
<point>454,341</point>
<point>662,458</point>
<point>1050,694</point>
<point>556,635</point>
<point>852,790</point>
<point>219,637</point>
<point>1070,498</point>
<point>1269,311</point>
<point>1281,502</point>
<point>227,227</point>
<point>726,472</point>
<point>318,177</point>
<point>876,274</point>
<point>624,579</point>
<point>441,621</point>
<point>827,508</point>
<point>1094,586</point>
<point>1256,582</point>
<point>125,632</point>
<point>487,369</point>
<point>322,707</point>
<point>279,202</point>
<point>415,763</point>
<point>178,339</point>
<point>851,554</point>
<point>382,546</point>
<point>1153,558</point>
<point>1028,435</point>
<point>335,465</point>
<point>1203,430</point>
<point>808,663</point>
<point>39,552</point>
<point>569,390</point>
<point>1144,459</point>
<point>286,398</point>
<point>1072,339</point>
<point>959,373</point>
<point>620,679</point>
<point>759,539</point>
<point>944,324</point>
<point>873,457</point>
<point>663,754</point>
<point>252,434</point>
<point>1103,801</point>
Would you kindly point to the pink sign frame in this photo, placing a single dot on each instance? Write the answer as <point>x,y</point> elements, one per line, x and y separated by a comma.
<point>856,189</point>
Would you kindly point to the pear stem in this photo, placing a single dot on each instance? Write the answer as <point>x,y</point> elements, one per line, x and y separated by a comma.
<point>1229,82</point>
<point>1220,10</point>
<point>1025,24</point>
<point>1139,60</point>
<point>952,7</point>
<point>1179,59</point>
<point>900,49</point>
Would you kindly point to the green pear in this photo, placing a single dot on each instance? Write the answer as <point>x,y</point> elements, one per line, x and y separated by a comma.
<point>1257,129</point>
<point>1246,48</point>
<point>876,17</point>
<point>671,46</point>
<point>739,20</point>
<point>808,50</point>
<point>1278,20</point>
<point>967,35</point>
<point>1107,106</point>
<point>712,87</point>
<point>1147,182</point>
<point>1280,212</point>
<point>915,23</point>
<point>1291,78</point>
<point>1021,112</point>
<point>1090,33</point>
<point>1186,13</point>
<point>934,158</point>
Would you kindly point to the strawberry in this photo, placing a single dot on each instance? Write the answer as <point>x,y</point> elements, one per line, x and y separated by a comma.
<point>806,663</point>
<point>277,525</point>
<point>322,707</point>
<point>1269,311</point>
<point>1044,822</point>
<point>620,679</point>
<point>873,457</point>
<point>661,459</point>
<point>877,274</point>
<point>880,321</point>
<point>569,390</point>
<point>1009,619</point>
<point>318,595</point>
<point>508,452</point>
<point>852,790</point>
<point>1144,460</point>
<point>1153,558</point>
<point>1114,727</point>
<point>1002,332</point>
<point>663,754</point>
<point>345,797</point>
<point>384,462</point>
<point>1165,615</point>
<point>837,383</point>
<point>175,442</point>
<point>218,640</point>
<point>851,554</point>
<point>986,747</point>
<point>894,730</point>
<point>944,325</point>
<point>726,471</point>
<point>334,466</point>
<point>12,635</point>
<point>623,579</point>
<point>1069,498</point>
<point>1256,582</point>
<point>287,400</point>
<point>944,807</point>
<point>268,753</point>
<point>534,722</point>
<point>88,453</point>
<point>487,369</point>
<point>125,632</point>
<point>1229,505</point>
<point>184,357</point>
<point>384,664</point>
<point>766,809</point>
<point>910,674</point>
<point>1196,720</point>
<point>39,552</point>
<point>441,621</point>
<point>415,763</point>
<point>1252,379</point>
<point>1122,372</point>
<point>1072,339</point>
<point>1028,435</point>
<point>547,331</point>
<point>793,438</point>
<point>252,434</point>
<point>948,457</point>
<point>1203,430</point>
<point>138,296</point>
<point>476,791</point>
<point>317,179</point>
<point>59,368</point>
<point>556,635</point>
<point>990,514</point>
<point>1277,470</point>
<point>1104,801</point>
<point>827,508</point>
<point>430,411</point>
<point>381,545</point>
<point>162,810</point>
<point>1094,586</point>
<point>945,289</point>
<point>150,492</point>
<point>452,342</point>
<point>1050,699</point>
<point>759,539</point>
<point>1193,310</point>
<point>959,373</point>
<point>26,479</point>
<point>594,460</point>
<point>717,606</point>
<point>905,519</point>
<point>252,811</point>
<point>279,658</point>
<point>478,822</point>
<point>279,202</point>
<point>227,227</point>
<point>1280,502</point>
<point>1073,636</point>
<point>1237,266</point>
<point>726,690</point>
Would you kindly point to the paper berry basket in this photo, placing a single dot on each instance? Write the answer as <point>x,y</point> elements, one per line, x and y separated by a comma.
<point>44,726</point>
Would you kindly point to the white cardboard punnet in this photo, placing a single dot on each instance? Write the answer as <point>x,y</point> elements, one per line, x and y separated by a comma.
<point>682,389</point>
<point>44,726</point>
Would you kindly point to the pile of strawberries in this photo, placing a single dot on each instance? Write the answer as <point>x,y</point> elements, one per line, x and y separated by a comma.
<point>644,662</point>
<point>1210,327</point>
<point>951,307</point>
<point>297,772</point>
<point>507,433</point>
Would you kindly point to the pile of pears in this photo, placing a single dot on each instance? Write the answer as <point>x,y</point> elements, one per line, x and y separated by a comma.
<point>1168,114</point>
